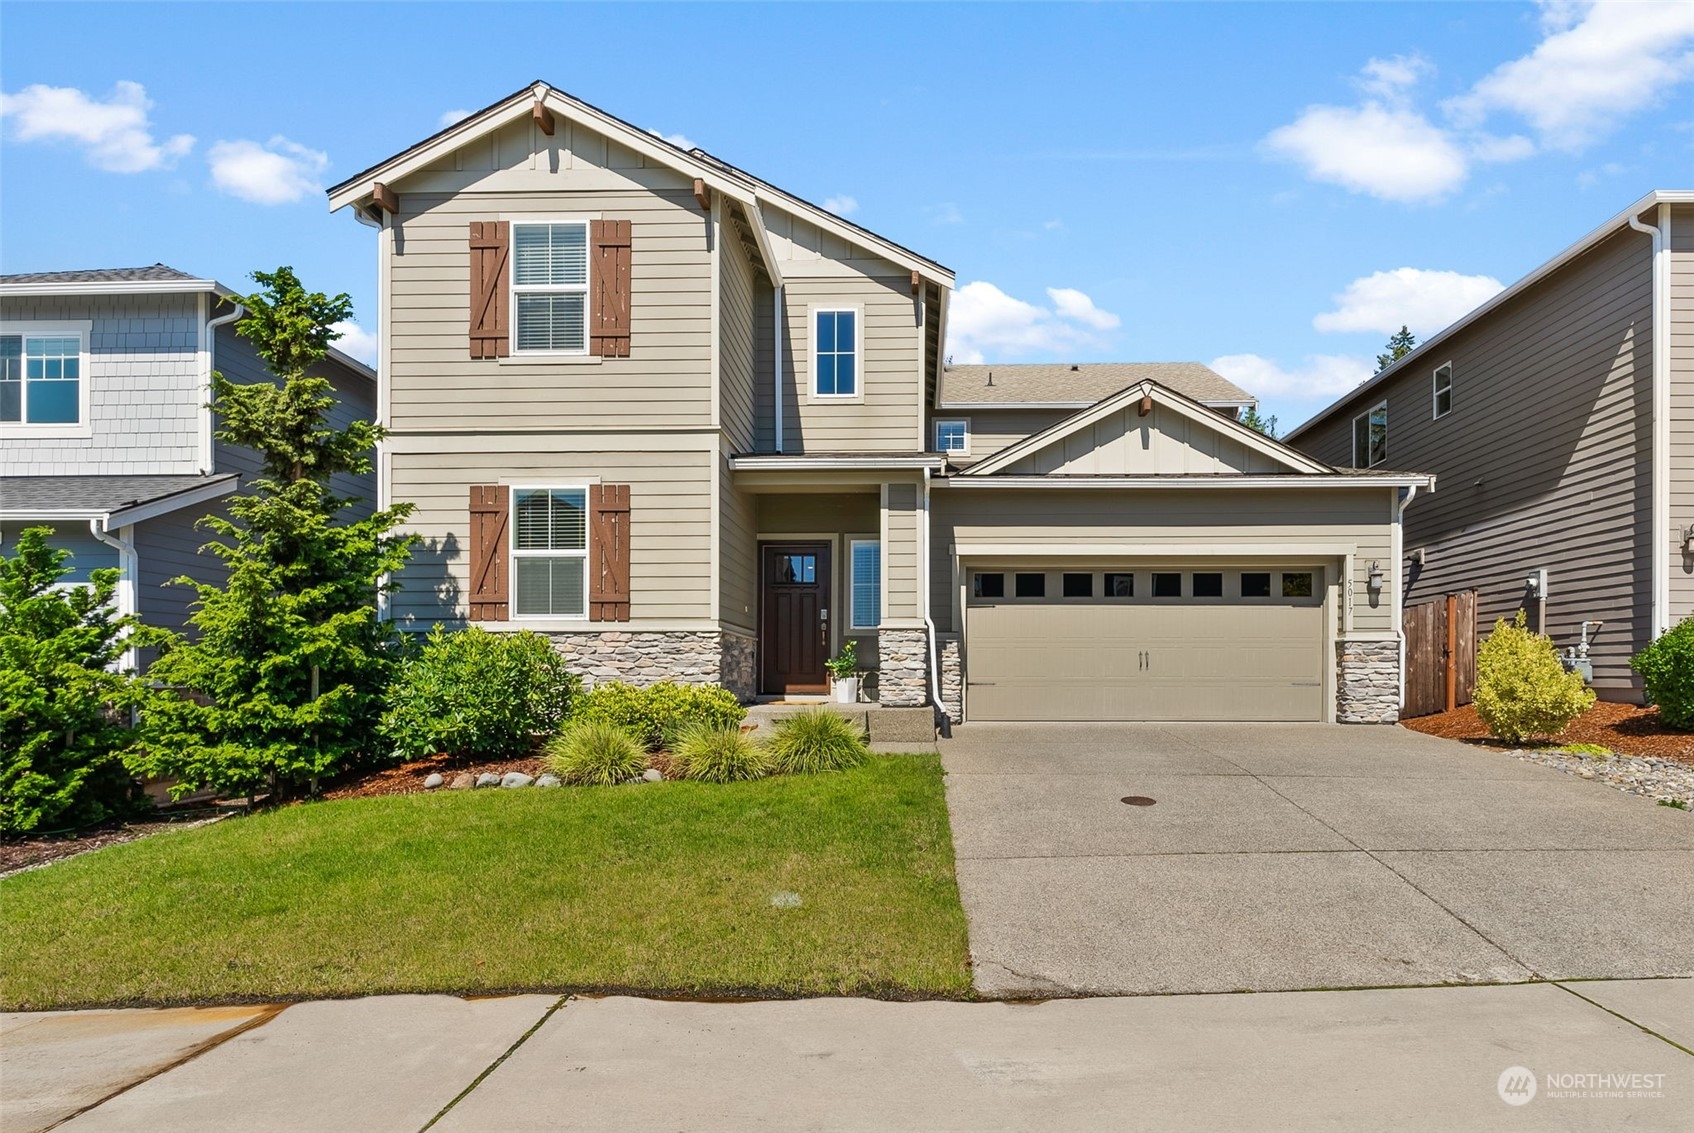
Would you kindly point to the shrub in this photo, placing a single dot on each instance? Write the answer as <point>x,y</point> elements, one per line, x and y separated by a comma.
<point>1521,688</point>
<point>654,715</point>
<point>59,646</point>
<point>717,755</point>
<point>1667,669</point>
<point>815,740</point>
<point>595,753</point>
<point>477,695</point>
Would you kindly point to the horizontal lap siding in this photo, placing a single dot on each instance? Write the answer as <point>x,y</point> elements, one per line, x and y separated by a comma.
<point>1682,407</point>
<point>900,554</point>
<point>86,552</point>
<point>737,557</point>
<point>735,341</point>
<point>670,520</point>
<point>168,548</point>
<point>1239,522</point>
<point>1544,461</point>
<point>994,429</point>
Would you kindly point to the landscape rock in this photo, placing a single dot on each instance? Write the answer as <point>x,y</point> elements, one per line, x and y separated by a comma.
<point>1645,775</point>
<point>548,781</point>
<point>488,779</point>
<point>652,775</point>
<point>461,782</point>
<point>516,779</point>
<point>433,780</point>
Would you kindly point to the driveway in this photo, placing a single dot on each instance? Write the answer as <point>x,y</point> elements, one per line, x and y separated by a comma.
<point>1294,856</point>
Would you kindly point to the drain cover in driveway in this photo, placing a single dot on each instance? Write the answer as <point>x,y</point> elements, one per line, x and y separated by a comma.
<point>1139,800</point>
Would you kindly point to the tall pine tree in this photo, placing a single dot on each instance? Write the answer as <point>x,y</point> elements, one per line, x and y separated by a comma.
<point>283,680</point>
<point>1398,347</point>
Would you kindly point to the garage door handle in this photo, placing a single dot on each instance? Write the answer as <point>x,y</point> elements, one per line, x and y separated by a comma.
<point>980,684</point>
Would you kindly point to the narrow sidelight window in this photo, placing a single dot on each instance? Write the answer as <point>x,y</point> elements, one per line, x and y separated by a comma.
<point>990,586</point>
<point>550,287</point>
<point>1370,437</point>
<point>1031,585</point>
<point>836,356</point>
<point>1167,585</point>
<point>1443,390</point>
<point>550,552</point>
<point>865,583</point>
<point>1255,584</point>
<point>1078,585</point>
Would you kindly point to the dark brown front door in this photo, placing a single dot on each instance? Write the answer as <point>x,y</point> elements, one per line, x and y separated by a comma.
<point>794,628</point>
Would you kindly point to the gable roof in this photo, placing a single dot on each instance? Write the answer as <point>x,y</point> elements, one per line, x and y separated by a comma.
<point>130,499</point>
<point>1423,349</point>
<point>156,279</point>
<point>1291,459</point>
<point>720,175</point>
<point>1077,386</point>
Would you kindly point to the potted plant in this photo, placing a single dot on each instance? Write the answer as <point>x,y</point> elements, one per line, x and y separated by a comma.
<point>844,667</point>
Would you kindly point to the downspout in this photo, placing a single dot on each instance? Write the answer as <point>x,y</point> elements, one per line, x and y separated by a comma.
<point>923,604</point>
<point>1660,551</point>
<point>206,384</point>
<point>128,564</point>
<point>777,315</point>
<point>1399,582</point>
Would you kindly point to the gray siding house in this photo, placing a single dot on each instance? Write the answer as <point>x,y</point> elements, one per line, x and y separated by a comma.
<point>105,434</point>
<point>1560,418</point>
<point>692,426</point>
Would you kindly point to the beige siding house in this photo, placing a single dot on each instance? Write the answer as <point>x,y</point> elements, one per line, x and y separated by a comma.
<point>1560,418</point>
<point>693,427</point>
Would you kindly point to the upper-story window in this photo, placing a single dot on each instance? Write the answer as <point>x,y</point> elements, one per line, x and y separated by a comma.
<point>953,437</point>
<point>1370,437</point>
<point>1442,390</point>
<point>835,357</point>
<point>550,287</point>
<point>41,379</point>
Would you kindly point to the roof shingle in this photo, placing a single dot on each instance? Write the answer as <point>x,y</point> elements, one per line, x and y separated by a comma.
<point>1085,383</point>
<point>157,273</point>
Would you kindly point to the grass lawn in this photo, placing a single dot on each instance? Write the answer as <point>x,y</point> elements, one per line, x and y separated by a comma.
<point>664,887</point>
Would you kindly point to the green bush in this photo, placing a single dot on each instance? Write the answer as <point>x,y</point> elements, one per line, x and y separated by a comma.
<point>477,695</point>
<point>717,755</point>
<point>59,733</point>
<point>655,714</point>
<point>815,740</point>
<point>1667,669</point>
<point>1522,690</point>
<point>595,753</point>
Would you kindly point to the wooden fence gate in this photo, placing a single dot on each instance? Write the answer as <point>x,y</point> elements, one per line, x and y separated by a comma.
<point>1440,654</point>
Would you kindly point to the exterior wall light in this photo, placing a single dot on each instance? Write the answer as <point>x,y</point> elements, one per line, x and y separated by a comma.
<point>1375,576</point>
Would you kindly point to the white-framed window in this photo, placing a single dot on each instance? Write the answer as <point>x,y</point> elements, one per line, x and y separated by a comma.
<point>1370,437</point>
<point>835,352</point>
<point>550,287</point>
<point>953,436</point>
<point>549,552</point>
<point>1441,390</point>
<point>864,583</point>
<point>44,377</point>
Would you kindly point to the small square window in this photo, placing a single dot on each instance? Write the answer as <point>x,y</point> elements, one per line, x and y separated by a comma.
<point>1078,585</point>
<point>989,586</point>
<point>1208,585</point>
<point>1120,585</point>
<point>1255,584</point>
<point>1030,585</point>
<point>1167,585</point>
<point>1297,585</point>
<point>952,437</point>
<point>1443,391</point>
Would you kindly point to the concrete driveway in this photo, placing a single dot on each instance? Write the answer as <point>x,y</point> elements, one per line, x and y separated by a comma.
<point>1297,856</point>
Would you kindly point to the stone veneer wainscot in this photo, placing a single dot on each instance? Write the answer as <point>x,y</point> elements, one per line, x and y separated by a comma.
<point>1367,682</point>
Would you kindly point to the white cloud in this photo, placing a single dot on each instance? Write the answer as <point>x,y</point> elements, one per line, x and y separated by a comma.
<point>276,173</point>
<point>682,141</point>
<point>842,205</point>
<point>1321,376</point>
<point>983,320</point>
<point>1423,300</point>
<point>448,117</point>
<point>1069,303</point>
<point>1392,152</point>
<point>1597,63</point>
<point>1391,78</point>
<point>947,213</point>
<point>357,341</point>
<point>115,132</point>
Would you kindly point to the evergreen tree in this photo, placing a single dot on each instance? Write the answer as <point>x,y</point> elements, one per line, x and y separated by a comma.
<point>1265,425</point>
<point>284,681</point>
<point>1398,347</point>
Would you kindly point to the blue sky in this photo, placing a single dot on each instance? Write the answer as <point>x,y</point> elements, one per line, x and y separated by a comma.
<point>1268,188</point>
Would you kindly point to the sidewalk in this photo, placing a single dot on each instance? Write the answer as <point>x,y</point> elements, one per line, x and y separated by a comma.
<point>1420,1058</point>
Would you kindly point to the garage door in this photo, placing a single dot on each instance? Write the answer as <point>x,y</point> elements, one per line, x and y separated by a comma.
<point>1145,644</point>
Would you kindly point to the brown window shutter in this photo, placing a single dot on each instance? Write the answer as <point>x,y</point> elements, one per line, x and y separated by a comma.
<point>491,247</point>
<point>608,550</point>
<point>608,288</point>
<point>490,589</point>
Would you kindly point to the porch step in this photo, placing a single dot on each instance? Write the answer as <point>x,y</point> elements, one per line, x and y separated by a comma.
<point>890,729</point>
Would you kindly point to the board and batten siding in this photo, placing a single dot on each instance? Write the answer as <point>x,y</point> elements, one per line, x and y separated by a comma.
<point>1544,460</point>
<point>1682,409</point>
<point>520,172</point>
<point>1110,526</point>
<point>1128,444</point>
<point>143,387</point>
<point>670,517</point>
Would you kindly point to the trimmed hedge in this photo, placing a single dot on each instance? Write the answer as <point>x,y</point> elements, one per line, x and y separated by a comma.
<point>1667,670</point>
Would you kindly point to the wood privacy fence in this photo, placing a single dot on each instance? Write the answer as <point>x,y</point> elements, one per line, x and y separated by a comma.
<point>1440,654</point>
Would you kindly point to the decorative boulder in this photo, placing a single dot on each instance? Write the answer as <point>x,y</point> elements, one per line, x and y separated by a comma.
<point>548,781</point>
<point>652,775</point>
<point>516,779</point>
<point>461,782</point>
<point>488,779</point>
<point>433,780</point>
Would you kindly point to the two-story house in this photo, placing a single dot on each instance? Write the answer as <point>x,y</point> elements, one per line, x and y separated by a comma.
<point>1560,418</point>
<point>692,426</point>
<point>105,431</point>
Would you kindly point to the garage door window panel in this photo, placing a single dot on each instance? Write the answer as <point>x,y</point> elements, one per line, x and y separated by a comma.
<point>1255,584</point>
<point>1120,585</point>
<point>1208,584</point>
<point>991,585</point>
<point>1030,585</point>
<point>1297,584</point>
<point>1076,585</point>
<point>1167,584</point>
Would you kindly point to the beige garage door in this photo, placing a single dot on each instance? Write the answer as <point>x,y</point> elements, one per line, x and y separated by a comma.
<point>1159,644</point>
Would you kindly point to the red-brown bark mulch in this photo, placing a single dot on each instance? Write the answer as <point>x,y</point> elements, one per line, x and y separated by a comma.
<point>22,853</point>
<point>1627,729</point>
<point>408,778</point>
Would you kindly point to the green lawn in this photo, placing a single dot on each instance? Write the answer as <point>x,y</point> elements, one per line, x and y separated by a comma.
<point>663,887</point>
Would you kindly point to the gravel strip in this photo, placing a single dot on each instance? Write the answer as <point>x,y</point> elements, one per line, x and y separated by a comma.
<point>1643,775</point>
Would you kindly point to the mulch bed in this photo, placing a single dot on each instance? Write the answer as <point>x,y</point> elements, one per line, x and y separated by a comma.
<point>408,778</point>
<point>23,853</point>
<point>1627,729</point>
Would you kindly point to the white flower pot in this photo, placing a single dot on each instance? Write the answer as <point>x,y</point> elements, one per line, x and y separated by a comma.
<point>846,690</point>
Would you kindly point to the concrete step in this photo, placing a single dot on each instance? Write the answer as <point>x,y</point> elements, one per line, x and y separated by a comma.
<point>888,728</point>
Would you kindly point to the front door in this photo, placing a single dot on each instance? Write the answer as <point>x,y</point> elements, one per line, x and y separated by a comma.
<point>794,627</point>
